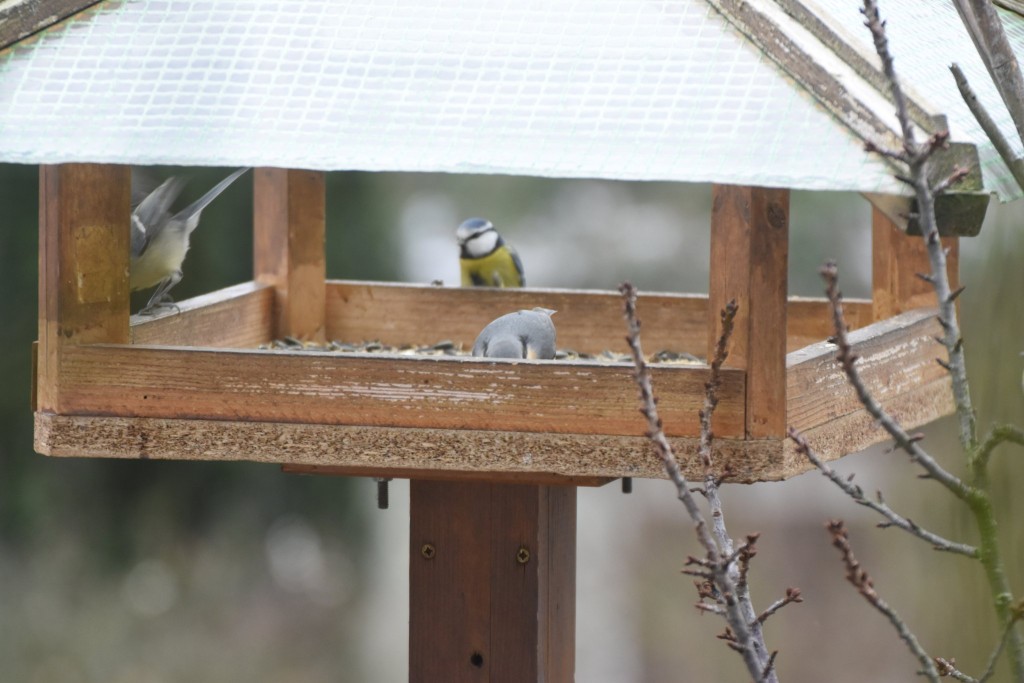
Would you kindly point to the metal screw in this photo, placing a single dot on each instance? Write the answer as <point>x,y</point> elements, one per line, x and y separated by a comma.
<point>382,493</point>
<point>523,556</point>
<point>427,551</point>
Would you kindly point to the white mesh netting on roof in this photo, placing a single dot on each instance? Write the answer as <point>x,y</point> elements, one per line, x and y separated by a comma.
<point>606,88</point>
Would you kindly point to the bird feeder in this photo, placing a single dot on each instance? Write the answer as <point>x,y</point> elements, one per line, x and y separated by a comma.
<point>495,448</point>
<point>194,384</point>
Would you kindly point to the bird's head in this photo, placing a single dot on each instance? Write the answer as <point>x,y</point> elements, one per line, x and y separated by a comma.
<point>477,237</point>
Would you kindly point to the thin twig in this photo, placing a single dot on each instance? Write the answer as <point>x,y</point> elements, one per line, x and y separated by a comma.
<point>859,577</point>
<point>745,553</point>
<point>792,595</point>
<point>748,642</point>
<point>1015,615</point>
<point>894,154</point>
<point>958,174</point>
<point>847,360</point>
<point>997,435</point>
<point>988,124</point>
<point>986,30</point>
<point>707,436</point>
<point>947,669</point>
<point>728,316</point>
<point>857,494</point>
<point>711,607</point>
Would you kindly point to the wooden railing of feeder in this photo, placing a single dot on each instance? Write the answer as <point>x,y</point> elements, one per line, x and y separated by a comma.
<point>108,388</point>
<point>492,559</point>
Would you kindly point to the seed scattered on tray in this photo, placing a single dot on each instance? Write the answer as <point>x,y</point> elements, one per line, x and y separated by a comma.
<point>447,347</point>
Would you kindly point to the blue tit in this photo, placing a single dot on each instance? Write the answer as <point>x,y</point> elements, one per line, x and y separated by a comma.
<point>160,240</point>
<point>523,334</point>
<point>485,259</point>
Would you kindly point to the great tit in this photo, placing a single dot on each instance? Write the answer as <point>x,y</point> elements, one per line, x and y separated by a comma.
<point>160,240</point>
<point>484,257</point>
<point>523,334</point>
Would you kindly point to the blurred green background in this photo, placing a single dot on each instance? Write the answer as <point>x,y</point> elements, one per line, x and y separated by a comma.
<point>154,572</point>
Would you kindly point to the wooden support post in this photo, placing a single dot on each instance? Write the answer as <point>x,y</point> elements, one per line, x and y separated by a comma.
<point>84,219</point>
<point>492,579</point>
<point>749,260</point>
<point>288,244</point>
<point>896,258</point>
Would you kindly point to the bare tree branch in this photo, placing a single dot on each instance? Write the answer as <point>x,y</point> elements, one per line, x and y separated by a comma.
<point>986,30</point>
<point>792,595</point>
<point>958,174</point>
<point>919,173</point>
<point>857,494</point>
<point>847,360</point>
<point>1008,628</point>
<point>859,577</point>
<point>988,124</point>
<point>984,25</point>
<point>997,435</point>
<point>719,568</point>
<point>707,435</point>
<point>947,669</point>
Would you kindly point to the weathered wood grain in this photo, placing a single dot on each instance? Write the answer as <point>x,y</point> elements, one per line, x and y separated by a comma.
<point>500,575</point>
<point>84,221</point>
<point>449,582</point>
<point>809,320</point>
<point>857,430</point>
<point>288,248</point>
<point>22,18</point>
<point>896,258</point>
<point>897,356</point>
<point>533,602</point>
<point>749,257</point>
<point>587,321</point>
<point>240,316</point>
<point>443,450</point>
<point>233,317</point>
<point>385,390</point>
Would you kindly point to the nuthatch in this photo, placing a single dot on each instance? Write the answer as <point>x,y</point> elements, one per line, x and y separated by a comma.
<point>523,334</point>
<point>485,259</point>
<point>160,240</point>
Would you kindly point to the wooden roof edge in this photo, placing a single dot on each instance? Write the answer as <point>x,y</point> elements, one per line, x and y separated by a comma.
<point>866,64</point>
<point>846,82</point>
<point>21,18</point>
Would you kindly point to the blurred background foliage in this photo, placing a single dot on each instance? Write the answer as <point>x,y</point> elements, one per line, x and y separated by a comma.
<point>154,572</point>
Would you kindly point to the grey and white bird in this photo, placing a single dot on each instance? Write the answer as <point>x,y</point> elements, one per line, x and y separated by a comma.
<point>523,334</point>
<point>161,240</point>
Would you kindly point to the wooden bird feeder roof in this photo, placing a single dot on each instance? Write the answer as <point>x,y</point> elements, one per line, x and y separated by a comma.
<point>774,93</point>
<point>756,97</point>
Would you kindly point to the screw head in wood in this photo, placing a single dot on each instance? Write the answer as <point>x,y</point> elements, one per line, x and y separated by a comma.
<point>428,551</point>
<point>523,556</point>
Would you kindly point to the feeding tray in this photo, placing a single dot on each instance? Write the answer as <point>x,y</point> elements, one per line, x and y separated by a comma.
<point>194,384</point>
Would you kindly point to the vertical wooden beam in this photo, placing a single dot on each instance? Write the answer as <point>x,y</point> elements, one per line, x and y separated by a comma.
<point>288,244</point>
<point>896,258</point>
<point>749,261</point>
<point>84,219</point>
<point>492,572</point>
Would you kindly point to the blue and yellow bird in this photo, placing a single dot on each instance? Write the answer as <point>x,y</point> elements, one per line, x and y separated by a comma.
<point>484,257</point>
